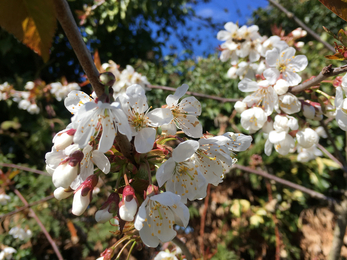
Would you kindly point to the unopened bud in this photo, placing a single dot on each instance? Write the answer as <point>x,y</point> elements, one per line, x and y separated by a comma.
<point>240,106</point>
<point>83,195</point>
<point>62,193</point>
<point>128,206</point>
<point>63,139</point>
<point>108,209</point>
<point>107,78</point>
<point>64,174</point>
<point>308,111</point>
<point>281,87</point>
<point>307,138</point>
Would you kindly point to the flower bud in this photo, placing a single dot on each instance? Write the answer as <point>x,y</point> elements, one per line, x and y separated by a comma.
<point>240,106</point>
<point>281,87</point>
<point>321,132</point>
<point>62,193</point>
<point>83,195</point>
<point>308,111</point>
<point>63,139</point>
<point>68,170</point>
<point>151,190</point>
<point>299,45</point>
<point>128,206</point>
<point>108,209</point>
<point>307,138</point>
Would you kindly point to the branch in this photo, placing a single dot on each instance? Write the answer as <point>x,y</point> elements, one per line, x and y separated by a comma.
<point>44,230</point>
<point>301,24</point>
<point>203,221</point>
<point>67,21</point>
<point>24,168</point>
<point>339,231</point>
<point>324,74</point>
<point>223,100</point>
<point>183,247</point>
<point>27,206</point>
<point>327,153</point>
<point>312,193</point>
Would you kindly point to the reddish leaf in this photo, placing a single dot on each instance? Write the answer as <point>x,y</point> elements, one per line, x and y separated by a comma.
<point>30,21</point>
<point>339,7</point>
<point>336,56</point>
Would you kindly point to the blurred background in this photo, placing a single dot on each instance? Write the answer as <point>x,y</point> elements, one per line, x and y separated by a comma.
<point>171,42</point>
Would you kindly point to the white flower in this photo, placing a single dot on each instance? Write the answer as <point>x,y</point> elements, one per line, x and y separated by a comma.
<point>248,70</point>
<point>7,253</point>
<point>91,117</point>
<point>20,233</point>
<point>90,157</point>
<point>289,103</point>
<point>142,122</point>
<point>253,119</point>
<point>128,206</point>
<point>307,154</point>
<point>64,138</point>
<point>29,85</point>
<point>321,132</point>
<point>279,137</point>
<point>287,64</point>
<point>229,51</point>
<point>181,175</point>
<point>103,215</point>
<point>60,91</point>
<point>240,106</point>
<point>230,33</point>
<point>157,216</point>
<point>184,114</point>
<point>252,49</point>
<point>249,33</point>
<point>33,109</point>
<point>264,95</point>
<point>163,255</point>
<point>273,42</point>
<point>24,104</point>
<point>4,199</point>
<point>307,138</point>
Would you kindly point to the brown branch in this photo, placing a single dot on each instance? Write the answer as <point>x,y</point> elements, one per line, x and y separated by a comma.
<point>67,21</point>
<point>324,74</point>
<point>183,247</point>
<point>203,221</point>
<point>9,165</point>
<point>301,24</point>
<point>312,193</point>
<point>27,206</point>
<point>223,100</point>
<point>44,230</point>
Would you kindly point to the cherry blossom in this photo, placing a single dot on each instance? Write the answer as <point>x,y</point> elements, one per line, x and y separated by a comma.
<point>157,215</point>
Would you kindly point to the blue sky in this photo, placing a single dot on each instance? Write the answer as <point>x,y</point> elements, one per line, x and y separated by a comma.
<point>220,11</point>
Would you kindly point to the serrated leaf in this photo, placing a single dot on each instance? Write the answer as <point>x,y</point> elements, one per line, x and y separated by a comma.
<point>30,21</point>
<point>339,7</point>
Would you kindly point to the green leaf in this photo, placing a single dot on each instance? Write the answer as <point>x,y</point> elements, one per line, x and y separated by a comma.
<point>30,21</point>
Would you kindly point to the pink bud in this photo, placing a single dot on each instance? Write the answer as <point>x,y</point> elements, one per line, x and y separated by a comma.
<point>83,195</point>
<point>128,206</point>
<point>63,139</point>
<point>75,157</point>
<point>151,190</point>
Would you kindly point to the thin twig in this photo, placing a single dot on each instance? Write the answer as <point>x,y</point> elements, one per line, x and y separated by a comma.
<point>27,206</point>
<point>301,24</point>
<point>67,21</point>
<point>178,242</point>
<point>312,193</point>
<point>44,230</point>
<point>223,100</point>
<point>324,74</point>
<point>203,221</point>
<point>338,153</point>
<point>10,165</point>
<point>327,153</point>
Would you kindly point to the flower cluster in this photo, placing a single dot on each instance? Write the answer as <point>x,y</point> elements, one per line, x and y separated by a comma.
<point>20,233</point>
<point>270,106</point>
<point>95,137</point>
<point>7,253</point>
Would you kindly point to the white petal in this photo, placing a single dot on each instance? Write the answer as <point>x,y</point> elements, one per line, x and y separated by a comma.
<point>248,85</point>
<point>276,137</point>
<point>271,75</point>
<point>144,140</point>
<point>100,160</point>
<point>185,150</point>
<point>191,105</point>
<point>271,57</point>
<point>160,116</point>
<point>170,128</point>
<point>165,172</point>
